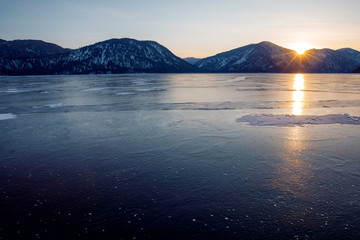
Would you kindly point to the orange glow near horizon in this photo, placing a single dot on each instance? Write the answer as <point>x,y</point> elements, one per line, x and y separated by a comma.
<point>300,47</point>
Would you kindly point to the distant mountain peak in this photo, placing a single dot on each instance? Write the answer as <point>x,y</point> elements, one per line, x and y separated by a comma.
<point>347,49</point>
<point>126,40</point>
<point>192,60</point>
<point>266,43</point>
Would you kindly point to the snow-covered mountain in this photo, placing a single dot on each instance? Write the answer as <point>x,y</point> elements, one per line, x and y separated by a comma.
<point>268,57</point>
<point>326,61</point>
<point>192,60</point>
<point>112,56</point>
<point>31,57</point>
<point>350,53</point>
<point>28,49</point>
<point>353,55</point>
<point>261,57</point>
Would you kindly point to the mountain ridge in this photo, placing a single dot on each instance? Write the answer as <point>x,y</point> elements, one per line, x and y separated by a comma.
<point>268,57</point>
<point>123,55</point>
<point>126,55</point>
<point>257,57</point>
<point>29,48</point>
<point>192,60</point>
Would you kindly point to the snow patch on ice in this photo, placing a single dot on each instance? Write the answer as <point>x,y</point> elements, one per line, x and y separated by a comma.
<point>55,105</point>
<point>124,93</point>
<point>292,120</point>
<point>6,116</point>
<point>13,91</point>
<point>149,89</point>
<point>93,89</point>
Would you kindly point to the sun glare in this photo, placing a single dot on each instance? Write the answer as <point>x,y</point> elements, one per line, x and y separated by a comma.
<point>300,47</point>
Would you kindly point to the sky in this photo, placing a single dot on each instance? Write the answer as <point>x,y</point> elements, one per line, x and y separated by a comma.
<point>189,28</point>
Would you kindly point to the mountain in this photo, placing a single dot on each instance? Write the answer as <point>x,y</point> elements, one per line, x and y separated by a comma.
<point>271,58</point>
<point>261,57</point>
<point>326,61</point>
<point>192,60</point>
<point>34,57</point>
<point>28,49</point>
<point>112,56</point>
<point>357,70</point>
<point>350,53</point>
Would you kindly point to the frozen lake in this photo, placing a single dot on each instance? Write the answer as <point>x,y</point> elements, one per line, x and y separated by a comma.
<point>180,156</point>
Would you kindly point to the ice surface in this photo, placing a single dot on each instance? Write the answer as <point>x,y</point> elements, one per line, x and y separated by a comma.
<point>5,116</point>
<point>55,105</point>
<point>124,93</point>
<point>93,89</point>
<point>290,120</point>
<point>13,91</point>
<point>172,140</point>
<point>149,89</point>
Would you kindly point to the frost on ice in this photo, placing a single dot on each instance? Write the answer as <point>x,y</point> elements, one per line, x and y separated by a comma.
<point>93,89</point>
<point>55,105</point>
<point>5,116</point>
<point>291,120</point>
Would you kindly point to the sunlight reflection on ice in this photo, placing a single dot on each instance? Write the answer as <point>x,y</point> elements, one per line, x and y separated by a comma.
<point>298,94</point>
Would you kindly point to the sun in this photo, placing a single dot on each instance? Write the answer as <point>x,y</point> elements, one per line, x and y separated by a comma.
<point>300,47</point>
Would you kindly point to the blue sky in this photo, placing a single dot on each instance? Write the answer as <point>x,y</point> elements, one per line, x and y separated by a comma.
<point>188,28</point>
